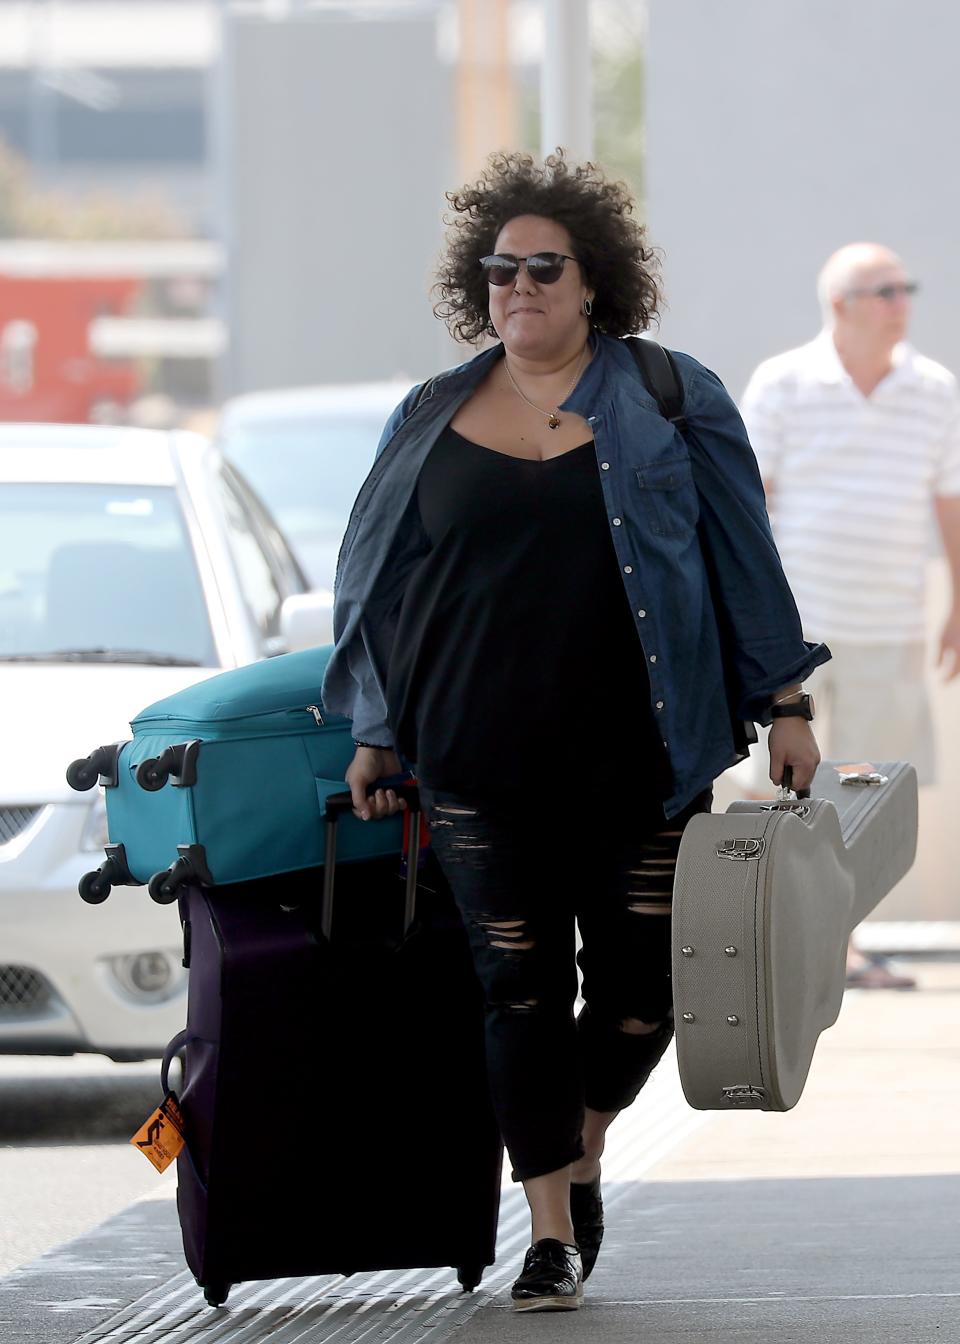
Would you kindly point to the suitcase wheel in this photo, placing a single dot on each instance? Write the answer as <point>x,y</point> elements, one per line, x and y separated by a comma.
<point>150,776</point>
<point>469,1276</point>
<point>179,761</point>
<point>191,866</point>
<point>216,1293</point>
<point>94,888</point>
<point>164,886</point>
<point>100,765</point>
<point>82,775</point>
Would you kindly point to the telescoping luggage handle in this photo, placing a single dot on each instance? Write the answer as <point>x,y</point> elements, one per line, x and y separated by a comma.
<point>338,804</point>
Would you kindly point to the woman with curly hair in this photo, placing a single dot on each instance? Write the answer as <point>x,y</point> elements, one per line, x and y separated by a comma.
<point>555,607</point>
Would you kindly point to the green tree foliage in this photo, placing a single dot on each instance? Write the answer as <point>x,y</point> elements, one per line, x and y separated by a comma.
<point>618,92</point>
<point>619,37</point>
<point>12,191</point>
<point>27,211</point>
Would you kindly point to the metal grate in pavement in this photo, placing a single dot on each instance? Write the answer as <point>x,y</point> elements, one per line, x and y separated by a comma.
<point>393,1307</point>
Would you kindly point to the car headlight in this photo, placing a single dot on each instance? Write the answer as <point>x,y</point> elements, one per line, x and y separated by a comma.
<point>150,977</point>
<point>94,835</point>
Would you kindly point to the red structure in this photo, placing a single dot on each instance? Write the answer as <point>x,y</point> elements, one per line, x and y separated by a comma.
<point>47,369</point>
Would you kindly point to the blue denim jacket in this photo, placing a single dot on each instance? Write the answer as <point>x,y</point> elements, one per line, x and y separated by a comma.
<point>713,611</point>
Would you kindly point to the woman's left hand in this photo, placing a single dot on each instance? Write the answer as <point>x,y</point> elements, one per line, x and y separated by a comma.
<point>792,743</point>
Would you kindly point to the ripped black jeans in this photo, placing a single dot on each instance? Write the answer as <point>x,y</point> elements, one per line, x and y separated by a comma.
<point>522,875</point>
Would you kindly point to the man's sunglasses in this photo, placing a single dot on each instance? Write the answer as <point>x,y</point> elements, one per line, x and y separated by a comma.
<point>886,292</point>
<point>543,267</point>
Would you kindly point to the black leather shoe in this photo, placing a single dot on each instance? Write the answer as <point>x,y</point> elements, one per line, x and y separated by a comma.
<point>586,1212</point>
<point>552,1278</point>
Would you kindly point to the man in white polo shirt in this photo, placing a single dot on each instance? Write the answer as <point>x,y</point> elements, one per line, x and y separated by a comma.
<point>858,441</point>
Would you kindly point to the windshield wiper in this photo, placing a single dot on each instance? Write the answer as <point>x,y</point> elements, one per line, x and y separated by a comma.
<point>141,656</point>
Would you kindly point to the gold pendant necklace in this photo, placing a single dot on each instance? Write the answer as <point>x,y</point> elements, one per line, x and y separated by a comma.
<point>553,417</point>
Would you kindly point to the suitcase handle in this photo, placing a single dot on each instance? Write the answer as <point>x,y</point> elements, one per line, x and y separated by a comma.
<point>787,783</point>
<point>338,804</point>
<point>174,1048</point>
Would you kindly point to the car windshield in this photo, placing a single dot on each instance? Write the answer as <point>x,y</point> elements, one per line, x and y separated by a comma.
<point>99,573</point>
<point>308,472</point>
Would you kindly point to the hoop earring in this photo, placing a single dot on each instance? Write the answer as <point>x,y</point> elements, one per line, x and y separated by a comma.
<point>587,307</point>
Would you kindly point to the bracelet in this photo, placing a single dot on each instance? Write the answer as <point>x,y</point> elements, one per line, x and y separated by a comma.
<point>784,698</point>
<point>373,746</point>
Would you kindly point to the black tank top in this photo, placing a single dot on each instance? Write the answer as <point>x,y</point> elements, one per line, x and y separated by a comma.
<point>516,663</point>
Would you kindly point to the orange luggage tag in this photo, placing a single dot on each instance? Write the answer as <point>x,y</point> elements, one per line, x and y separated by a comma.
<point>160,1137</point>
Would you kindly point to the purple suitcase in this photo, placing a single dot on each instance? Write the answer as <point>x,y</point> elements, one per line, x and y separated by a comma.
<point>335,1100</point>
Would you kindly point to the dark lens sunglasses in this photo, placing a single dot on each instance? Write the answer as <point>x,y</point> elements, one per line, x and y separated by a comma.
<point>543,267</point>
<point>887,292</point>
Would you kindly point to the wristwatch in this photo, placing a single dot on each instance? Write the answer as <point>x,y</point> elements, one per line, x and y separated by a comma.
<point>801,708</point>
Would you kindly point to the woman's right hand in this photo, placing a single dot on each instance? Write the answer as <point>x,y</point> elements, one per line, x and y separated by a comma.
<point>369,764</point>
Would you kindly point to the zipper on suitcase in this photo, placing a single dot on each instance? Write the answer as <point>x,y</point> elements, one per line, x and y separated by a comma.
<point>280,715</point>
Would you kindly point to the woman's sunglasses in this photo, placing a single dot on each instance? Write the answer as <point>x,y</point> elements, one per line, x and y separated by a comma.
<point>543,267</point>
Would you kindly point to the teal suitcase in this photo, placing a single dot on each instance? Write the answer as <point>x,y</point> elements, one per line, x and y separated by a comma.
<point>227,781</point>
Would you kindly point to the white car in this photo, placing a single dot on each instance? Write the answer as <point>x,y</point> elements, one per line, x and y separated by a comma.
<point>306,451</point>
<point>132,563</point>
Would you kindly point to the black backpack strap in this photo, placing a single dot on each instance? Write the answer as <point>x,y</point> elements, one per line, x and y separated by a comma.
<point>661,377</point>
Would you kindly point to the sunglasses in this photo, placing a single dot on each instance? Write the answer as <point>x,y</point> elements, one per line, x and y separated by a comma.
<point>886,292</point>
<point>545,268</point>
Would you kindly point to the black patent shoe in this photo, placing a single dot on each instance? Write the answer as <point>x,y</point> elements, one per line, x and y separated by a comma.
<point>552,1278</point>
<point>586,1213</point>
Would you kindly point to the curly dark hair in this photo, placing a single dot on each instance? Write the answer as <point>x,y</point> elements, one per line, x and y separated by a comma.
<point>610,245</point>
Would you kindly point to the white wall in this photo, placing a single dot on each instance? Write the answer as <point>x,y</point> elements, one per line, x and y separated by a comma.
<point>777,130</point>
<point>339,138</point>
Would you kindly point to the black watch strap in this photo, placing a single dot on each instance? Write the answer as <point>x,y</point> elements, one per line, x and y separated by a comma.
<point>801,708</point>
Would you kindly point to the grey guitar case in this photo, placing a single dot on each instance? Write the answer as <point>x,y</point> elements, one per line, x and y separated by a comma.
<point>765,898</point>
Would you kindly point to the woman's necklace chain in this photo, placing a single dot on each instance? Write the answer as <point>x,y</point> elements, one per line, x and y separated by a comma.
<point>553,417</point>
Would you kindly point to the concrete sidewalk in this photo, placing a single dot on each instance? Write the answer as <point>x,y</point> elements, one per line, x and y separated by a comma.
<point>835,1222</point>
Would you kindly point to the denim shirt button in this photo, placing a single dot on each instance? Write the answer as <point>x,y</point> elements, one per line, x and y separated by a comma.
<point>641,613</point>
<point>617,522</point>
<point>653,657</point>
<point>660,706</point>
<point>605,466</point>
<point>628,569</point>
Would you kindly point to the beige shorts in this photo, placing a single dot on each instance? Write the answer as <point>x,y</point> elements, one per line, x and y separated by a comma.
<point>872,705</point>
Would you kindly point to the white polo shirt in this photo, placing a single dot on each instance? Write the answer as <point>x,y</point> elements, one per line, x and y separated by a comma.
<point>853,480</point>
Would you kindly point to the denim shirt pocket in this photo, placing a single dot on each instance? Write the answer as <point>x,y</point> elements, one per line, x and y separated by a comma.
<point>669,497</point>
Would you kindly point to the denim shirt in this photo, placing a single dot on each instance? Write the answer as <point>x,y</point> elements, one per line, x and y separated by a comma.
<point>713,612</point>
